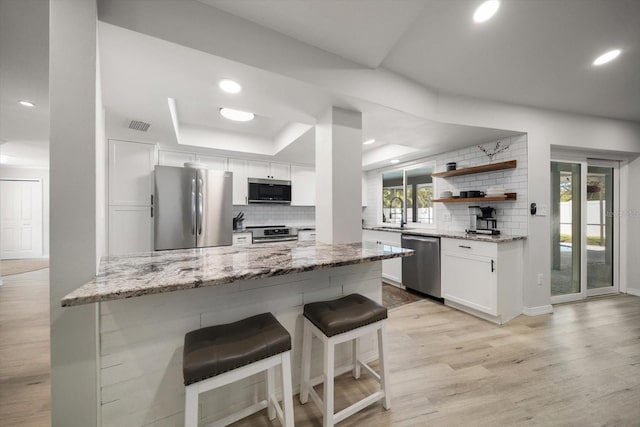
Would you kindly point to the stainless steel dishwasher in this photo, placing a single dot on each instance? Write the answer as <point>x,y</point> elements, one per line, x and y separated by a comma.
<point>421,272</point>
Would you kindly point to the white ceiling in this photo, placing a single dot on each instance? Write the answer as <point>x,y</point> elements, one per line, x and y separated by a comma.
<point>139,91</point>
<point>531,53</point>
<point>362,31</point>
<point>535,53</point>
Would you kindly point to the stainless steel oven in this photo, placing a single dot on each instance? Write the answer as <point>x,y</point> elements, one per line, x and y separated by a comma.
<point>273,233</point>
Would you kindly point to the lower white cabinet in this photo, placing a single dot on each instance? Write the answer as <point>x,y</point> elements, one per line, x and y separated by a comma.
<point>306,235</point>
<point>242,239</point>
<point>130,229</point>
<point>391,268</point>
<point>483,278</point>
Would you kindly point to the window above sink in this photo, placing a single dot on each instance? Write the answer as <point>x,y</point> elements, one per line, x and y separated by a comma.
<point>407,195</point>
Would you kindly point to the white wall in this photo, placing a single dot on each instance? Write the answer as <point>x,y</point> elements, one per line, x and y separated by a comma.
<point>43,176</point>
<point>630,229</point>
<point>72,88</point>
<point>513,217</point>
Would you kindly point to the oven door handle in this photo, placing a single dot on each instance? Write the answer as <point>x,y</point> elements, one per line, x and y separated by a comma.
<point>270,239</point>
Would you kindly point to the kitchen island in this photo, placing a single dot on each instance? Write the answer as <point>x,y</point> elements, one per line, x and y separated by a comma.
<point>147,302</point>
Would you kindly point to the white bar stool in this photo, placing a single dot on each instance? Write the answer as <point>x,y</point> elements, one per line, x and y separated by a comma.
<point>222,354</point>
<point>334,322</point>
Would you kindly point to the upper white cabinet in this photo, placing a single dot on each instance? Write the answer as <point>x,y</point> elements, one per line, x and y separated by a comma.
<point>303,185</point>
<point>280,171</point>
<point>258,169</point>
<point>239,169</point>
<point>213,162</point>
<point>483,278</point>
<point>131,167</point>
<point>175,158</point>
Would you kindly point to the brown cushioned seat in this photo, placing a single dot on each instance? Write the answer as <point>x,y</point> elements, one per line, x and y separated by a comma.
<point>216,349</point>
<point>344,314</point>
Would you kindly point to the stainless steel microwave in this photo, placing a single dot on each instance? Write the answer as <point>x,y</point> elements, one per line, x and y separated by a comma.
<point>269,191</point>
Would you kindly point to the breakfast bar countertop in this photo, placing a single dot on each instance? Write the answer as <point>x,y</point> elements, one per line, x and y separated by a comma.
<point>134,275</point>
<point>501,238</point>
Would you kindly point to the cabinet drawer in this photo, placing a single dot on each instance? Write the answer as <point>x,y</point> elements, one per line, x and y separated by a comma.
<point>469,247</point>
<point>240,239</point>
<point>306,235</point>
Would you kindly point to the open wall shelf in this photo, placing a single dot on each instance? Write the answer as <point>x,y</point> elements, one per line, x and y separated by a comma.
<point>506,197</point>
<point>511,164</point>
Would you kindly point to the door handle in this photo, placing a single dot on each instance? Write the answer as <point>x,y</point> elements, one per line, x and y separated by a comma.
<point>200,205</point>
<point>492,267</point>
<point>193,207</point>
<point>466,247</point>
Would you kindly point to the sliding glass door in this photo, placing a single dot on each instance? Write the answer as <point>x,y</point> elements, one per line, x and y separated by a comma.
<point>583,230</point>
<point>601,228</point>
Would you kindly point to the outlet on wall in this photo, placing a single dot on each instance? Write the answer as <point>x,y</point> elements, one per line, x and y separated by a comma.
<point>540,279</point>
<point>446,217</point>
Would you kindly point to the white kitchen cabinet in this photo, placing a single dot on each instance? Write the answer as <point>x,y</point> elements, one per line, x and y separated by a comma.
<point>242,239</point>
<point>391,268</point>
<point>130,229</point>
<point>240,186</point>
<point>212,162</point>
<point>175,158</point>
<point>306,235</point>
<point>280,171</point>
<point>259,169</point>
<point>130,171</point>
<point>303,185</point>
<point>483,278</point>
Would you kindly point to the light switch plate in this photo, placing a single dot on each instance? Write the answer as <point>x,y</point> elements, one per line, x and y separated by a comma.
<point>542,210</point>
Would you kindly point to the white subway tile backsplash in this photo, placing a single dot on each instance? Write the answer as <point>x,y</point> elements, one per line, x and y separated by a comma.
<point>513,217</point>
<point>276,215</point>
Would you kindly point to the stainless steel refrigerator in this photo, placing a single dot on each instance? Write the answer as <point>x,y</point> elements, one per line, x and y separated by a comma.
<point>193,208</point>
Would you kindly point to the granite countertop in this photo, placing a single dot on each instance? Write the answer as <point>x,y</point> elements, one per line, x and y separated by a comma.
<point>148,273</point>
<point>449,234</point>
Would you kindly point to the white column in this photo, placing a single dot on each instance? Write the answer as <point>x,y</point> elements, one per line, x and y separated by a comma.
<point>72,89</point>
<point>339,176</point>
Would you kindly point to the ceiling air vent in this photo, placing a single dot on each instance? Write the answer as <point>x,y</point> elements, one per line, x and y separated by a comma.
<point>138,125</point>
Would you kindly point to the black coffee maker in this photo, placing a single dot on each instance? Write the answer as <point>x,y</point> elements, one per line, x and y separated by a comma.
<point>482,220</point>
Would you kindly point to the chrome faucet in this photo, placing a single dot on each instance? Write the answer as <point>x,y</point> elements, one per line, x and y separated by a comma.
<point>402,221</point>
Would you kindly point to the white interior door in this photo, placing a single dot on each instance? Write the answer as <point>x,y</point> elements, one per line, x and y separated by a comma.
<point>20,219</point>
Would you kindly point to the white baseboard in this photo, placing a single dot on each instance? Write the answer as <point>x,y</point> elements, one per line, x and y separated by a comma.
<point>633,291</point>
<point>537,311</point>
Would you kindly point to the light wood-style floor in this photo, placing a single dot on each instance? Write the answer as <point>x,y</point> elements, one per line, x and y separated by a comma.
<point>24,350</point>
<point>577,367</point>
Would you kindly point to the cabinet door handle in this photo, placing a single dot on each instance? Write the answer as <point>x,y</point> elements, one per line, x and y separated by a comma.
<point>152,199</point>
<point>466,247</point>
<point>151,211</point>
<point>492,268</point>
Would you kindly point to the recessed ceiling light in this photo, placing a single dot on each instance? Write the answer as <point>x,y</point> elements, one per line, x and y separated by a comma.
<point>394,161</point>
<point>236,115</point>
<point>486,10</point>
<point>369,142</point>
<point>27,103</point>
<point>607,57</point>
<point>230,86</point>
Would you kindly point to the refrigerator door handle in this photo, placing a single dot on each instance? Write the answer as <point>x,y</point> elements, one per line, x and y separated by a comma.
<point>193,207</point>
<point>200,205</point>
